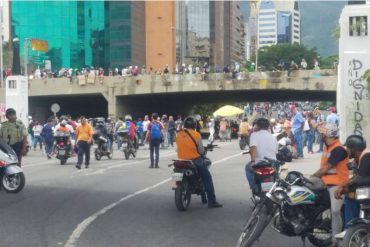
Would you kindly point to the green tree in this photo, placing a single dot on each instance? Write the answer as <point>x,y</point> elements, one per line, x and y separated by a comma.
<point>7,55</point>
<point>205,110</point>
<point>271,56</point>
<point>328,62</point>
<point>366,77</point>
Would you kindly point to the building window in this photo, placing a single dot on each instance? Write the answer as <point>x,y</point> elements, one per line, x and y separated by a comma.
<point>296,31</point>
<point>267,19</point>
<point>267,25</point>
<point>13,84</point>
<point>267,13</point>
<point>358,26</point>
<point>267,36</point>
<point>267,30</point>
<point>295,25</point>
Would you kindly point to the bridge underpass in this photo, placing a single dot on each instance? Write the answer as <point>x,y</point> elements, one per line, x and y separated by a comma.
<point>76,105</point>
<point>181,103</point>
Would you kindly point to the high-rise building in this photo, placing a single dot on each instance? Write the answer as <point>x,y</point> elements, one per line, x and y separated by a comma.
<point>278,22</point>
<point>82,33</point>
<point>209,32</point>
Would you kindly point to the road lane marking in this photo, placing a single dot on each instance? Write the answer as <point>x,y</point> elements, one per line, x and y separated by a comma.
<point>80,229</point>
<point>72,241</point>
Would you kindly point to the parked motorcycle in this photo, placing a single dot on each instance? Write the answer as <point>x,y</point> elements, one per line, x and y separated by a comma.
<point>62,147</point>
<point>358,234</point>
<point>101,146</point>
<point>128,146</point>
<point>12,176</point>
<point>187,181</point>
<point>294,209</point>
<point>285,151</point>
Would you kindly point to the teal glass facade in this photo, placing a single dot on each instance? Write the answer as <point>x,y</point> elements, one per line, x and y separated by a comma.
<point>79,33</point>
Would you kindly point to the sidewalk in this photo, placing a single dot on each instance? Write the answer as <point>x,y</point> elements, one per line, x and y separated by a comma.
<point>308,165</point>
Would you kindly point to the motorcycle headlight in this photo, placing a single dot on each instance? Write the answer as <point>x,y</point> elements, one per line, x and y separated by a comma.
<point>279,194</point>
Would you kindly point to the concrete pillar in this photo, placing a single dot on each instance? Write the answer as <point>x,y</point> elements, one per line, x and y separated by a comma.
<point>352,95</point>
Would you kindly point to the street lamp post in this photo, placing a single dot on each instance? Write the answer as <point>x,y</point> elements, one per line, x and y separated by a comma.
<point>26,40</point>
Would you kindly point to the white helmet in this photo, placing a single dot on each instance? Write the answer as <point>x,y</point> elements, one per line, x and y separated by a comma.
<point>272,120</point>
<point>330,130</point>
<point>128,117</point>
<point>64,123</point>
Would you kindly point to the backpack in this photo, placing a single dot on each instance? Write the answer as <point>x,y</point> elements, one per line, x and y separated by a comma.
<point>155,132</point>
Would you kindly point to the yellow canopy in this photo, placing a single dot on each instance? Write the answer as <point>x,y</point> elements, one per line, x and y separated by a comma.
<point>228,111</point>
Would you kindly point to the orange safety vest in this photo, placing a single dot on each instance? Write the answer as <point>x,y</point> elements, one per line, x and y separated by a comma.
<point>338,174</point>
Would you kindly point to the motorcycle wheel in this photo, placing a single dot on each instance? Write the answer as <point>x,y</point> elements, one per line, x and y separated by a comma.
<point>110,156</point>
<point>356,236</point>
<point>254,226</point>
<point>321,231</point>
<point>182,196</point>
<point>63,161</point>
<point>97,155</point>
<point>13,183</point>
<point>242,145</point>
<point>127,153</point>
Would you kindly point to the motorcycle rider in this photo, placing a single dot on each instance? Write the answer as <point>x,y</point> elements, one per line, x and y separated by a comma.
<point>67,129</point>
<point>333,172</point>
<point>102,130</point>
<point>109,125</point>
<point>130,125</point>
<point>244,128</point>
<point>356,149</point>
<point>262,144</point>
<point>190,147</point>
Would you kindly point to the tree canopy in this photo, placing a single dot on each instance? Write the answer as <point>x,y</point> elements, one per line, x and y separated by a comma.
<point>270,57</point>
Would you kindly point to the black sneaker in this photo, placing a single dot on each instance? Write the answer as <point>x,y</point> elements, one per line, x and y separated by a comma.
<point>156,166</point>
<point>86,166</point>
<point>78,167</point>
<point>151,166</point>
<point>215,205</point>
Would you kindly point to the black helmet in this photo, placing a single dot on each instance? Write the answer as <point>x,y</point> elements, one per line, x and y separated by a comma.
<point>190,123</point>
<point>355,142</point>
<point>263,123</point>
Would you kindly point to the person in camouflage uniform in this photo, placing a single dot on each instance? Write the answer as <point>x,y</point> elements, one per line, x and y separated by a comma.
<point>14,133</point>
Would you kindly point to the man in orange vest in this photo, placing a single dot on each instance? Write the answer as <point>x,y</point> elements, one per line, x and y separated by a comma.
<point>333,172</point>
<point>190,147</point>
<point>356,149</point>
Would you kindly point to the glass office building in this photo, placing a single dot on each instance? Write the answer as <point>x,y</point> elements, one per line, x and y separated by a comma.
<point>284,27</point>
<point>81,33</point>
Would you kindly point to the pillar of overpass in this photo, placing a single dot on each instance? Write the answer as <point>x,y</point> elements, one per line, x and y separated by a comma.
<point>353,92</point>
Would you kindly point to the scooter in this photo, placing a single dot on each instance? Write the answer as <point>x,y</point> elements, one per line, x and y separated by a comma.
<point>11,174</point>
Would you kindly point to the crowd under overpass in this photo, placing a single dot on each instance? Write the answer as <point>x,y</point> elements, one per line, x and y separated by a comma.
<point>174,94</point>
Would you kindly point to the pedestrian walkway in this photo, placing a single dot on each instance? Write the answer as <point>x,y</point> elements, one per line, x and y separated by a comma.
<point>307,166</point>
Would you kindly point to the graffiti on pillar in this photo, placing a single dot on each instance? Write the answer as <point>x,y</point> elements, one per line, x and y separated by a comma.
<point>355,81</point>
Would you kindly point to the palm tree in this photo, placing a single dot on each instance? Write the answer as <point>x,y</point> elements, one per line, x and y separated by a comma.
<point>366,77</point>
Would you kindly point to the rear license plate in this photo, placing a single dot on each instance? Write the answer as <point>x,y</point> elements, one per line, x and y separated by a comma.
<point>266,186</point>
<point>177,177</point>
<point>61,152</point>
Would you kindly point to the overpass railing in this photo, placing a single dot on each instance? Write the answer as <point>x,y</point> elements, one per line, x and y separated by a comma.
<point>146,84</point>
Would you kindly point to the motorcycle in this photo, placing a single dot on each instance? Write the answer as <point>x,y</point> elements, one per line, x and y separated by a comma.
<point>12,176</point>
<point>187,181</point>
<point>101,146</point>
<point>243,141</point>
<point>62,147</point>
<point>285,150</point>
<point>130,148</point>
<point>358,234</point>
<point>295,208</point>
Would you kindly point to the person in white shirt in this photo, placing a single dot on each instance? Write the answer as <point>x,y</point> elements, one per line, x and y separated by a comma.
<point>262,144</point>
<point>146,123</point>
<point>276,127</point>
<point>37,128</point>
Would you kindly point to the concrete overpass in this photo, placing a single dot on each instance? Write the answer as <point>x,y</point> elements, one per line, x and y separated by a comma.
<point>116,96</point>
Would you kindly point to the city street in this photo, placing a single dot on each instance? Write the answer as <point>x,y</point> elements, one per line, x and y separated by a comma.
<point>124,203</point>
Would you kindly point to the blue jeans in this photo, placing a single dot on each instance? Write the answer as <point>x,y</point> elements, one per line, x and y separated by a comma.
<point>351,210</point>
<point>37,140</point>
<point>299,142</point>
<point>49,146</point>
<point>154,147</point>
<point>206,179</point>
<point>310,136</point>
<point>118,141</point>
<point>249,172</point>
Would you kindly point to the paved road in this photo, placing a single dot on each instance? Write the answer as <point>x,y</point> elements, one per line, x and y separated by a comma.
<point>124,203</point>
